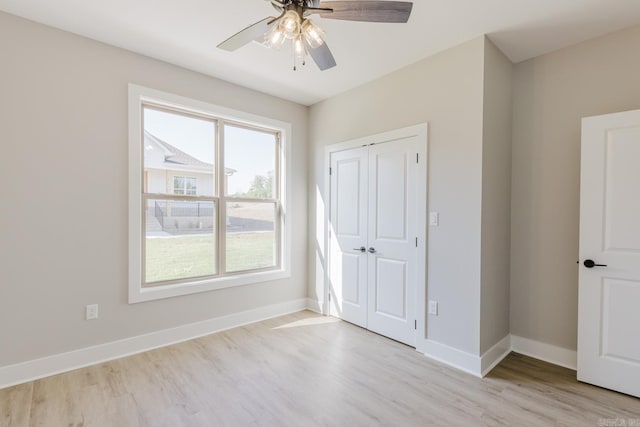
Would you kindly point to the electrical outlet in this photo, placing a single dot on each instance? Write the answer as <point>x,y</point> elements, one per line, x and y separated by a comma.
<point>433,307</point>
<point>91,311</point>
<point>434,219</point>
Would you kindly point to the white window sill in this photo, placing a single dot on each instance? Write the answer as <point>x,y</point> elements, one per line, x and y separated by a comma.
<point>139,294</point>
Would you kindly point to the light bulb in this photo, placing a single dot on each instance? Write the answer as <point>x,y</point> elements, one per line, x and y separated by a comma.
<point>299,49</point>
<point>312,33</point>
<point>275,37</point>
<point>290,24</point>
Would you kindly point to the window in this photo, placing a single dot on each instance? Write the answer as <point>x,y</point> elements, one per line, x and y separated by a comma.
<point>207,197</point>
<point>184,185</point>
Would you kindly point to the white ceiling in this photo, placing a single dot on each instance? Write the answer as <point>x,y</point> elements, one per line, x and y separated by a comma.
<point>186,33</point>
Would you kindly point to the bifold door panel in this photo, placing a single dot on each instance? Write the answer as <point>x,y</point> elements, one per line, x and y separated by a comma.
<point>391,231</point>
<point>349,234</point>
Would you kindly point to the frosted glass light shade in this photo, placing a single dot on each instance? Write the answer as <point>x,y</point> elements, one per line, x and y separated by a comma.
<point>290,24</point>
<point>275,37</point>
<point>313,34</point>
<point>299,49</point>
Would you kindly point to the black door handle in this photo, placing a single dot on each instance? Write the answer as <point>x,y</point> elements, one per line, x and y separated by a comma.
<point>589,263</point>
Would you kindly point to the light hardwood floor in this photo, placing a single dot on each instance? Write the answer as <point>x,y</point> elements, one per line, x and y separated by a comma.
<point>308,370</point>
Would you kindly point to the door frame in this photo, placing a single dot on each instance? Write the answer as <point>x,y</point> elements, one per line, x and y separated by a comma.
<point>422,132</point>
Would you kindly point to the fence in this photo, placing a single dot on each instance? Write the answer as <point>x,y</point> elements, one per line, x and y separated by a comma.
<point>185,217</point>
<point>180,217</point>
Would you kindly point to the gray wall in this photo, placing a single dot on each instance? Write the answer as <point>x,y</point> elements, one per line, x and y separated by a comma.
<point>63,115</point>
<point>63,122</point>
<point>551,95</point>
<point>445,90</point>
<point>496,197</point>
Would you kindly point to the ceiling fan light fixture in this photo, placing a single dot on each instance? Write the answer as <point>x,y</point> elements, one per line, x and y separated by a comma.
<point>313,34</point>
<point>290,24</point>
<point>307,37</point>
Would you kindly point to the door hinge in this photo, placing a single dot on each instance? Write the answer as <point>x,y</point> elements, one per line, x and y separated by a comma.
<point>330,171</point>
<point>416,242</point>
<point>417,157</point>
<point>415,324</point>
<point>329,297</point>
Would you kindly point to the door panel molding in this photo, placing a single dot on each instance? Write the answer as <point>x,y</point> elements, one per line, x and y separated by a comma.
<point>396,308</point>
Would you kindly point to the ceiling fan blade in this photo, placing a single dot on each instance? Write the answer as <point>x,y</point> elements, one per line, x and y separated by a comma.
<point>252,32</point>
<point>322,56</point>
<point>368,11</point>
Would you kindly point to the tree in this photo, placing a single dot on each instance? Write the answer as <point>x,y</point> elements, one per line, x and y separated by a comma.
<point>261,187</point>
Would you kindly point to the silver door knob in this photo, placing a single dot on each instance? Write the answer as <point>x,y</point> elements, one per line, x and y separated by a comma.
<point>372,250</point>
<point>361,249</point>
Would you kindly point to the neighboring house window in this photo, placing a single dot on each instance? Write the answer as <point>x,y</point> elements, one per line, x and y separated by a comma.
<point>184,185</point>
<point>208,197</point>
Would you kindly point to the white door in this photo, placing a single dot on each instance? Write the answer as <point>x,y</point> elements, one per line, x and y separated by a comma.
<point>392,239</point>
<point>348,272</point>
<point>609,288</point>
<point>373,246</point>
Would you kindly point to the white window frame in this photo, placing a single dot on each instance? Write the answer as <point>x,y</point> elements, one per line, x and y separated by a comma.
<point>139,95</point>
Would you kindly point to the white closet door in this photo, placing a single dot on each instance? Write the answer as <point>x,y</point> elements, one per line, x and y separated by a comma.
<point>392,239</point>
<point>348,270</point>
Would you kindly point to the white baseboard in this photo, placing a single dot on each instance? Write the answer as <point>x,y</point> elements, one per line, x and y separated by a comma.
<point>64,362</point>
<point>547,352</point>
<point>480,366</point>
<point>453,357</point>
<point>314,305</point>
<point>495,354</point>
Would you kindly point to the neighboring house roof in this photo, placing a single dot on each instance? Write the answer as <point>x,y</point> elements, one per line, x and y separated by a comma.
<point>176,158</point>
<point>172,154</point>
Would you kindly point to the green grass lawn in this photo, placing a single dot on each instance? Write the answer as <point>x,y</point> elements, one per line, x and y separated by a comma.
<point>181,257</point>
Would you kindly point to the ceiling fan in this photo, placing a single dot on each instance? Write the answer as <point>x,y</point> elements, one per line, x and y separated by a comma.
<point>307,37</point>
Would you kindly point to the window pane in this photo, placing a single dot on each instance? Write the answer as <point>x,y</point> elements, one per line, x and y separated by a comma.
<point>180,240</point>
<point>250,163</point>
<point>178,149</point>
<point>250,240</point>
<point>178,185</point>
<point>191,186</point>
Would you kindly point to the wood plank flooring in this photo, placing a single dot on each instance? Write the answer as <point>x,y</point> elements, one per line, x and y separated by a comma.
<point>308,370</point>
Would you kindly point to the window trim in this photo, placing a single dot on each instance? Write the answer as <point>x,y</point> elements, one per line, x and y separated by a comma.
<point>139,95</point>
